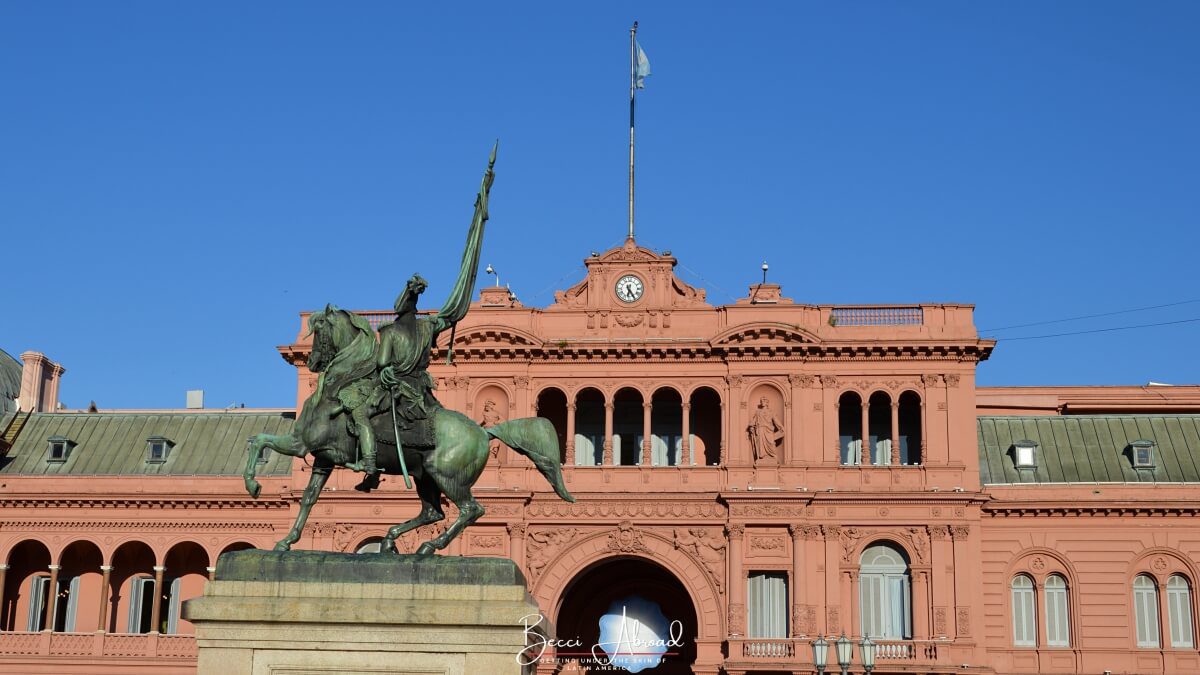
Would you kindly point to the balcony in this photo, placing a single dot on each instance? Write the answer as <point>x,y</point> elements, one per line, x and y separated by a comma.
<point>129,651</point>
<point>797,652</point>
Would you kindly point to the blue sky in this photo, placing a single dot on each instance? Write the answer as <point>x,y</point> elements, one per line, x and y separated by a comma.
<point>178,181</point>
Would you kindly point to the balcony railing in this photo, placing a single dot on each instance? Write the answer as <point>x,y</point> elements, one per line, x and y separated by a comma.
<point>98,645</point>
<point>887,315</point>
<point>769,649</point>
<point>799,651</point>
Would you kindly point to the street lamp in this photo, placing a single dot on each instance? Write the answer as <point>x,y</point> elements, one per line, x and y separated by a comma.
<point>764,269</point>
<point>868,654</point>
<point>845,652</point>
<point>820,648</point>
<point>492,270</point>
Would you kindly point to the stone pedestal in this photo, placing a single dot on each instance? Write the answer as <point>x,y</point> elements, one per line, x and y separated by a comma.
<point>309,612</point>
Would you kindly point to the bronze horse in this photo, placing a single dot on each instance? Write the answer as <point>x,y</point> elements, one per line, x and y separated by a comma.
<point>449,462</point>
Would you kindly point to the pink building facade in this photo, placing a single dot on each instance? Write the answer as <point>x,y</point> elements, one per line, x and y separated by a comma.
<point>765,471</point>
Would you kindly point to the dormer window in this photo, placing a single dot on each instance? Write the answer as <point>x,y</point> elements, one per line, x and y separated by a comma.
<point>157,449</point>
<point>1025,454</point>
<point>60,448</point>
<point>1142,452</point>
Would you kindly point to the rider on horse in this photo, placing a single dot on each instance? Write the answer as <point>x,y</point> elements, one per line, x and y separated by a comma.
<point>402,359</point>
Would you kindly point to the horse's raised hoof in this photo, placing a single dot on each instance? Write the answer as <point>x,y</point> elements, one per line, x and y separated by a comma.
<point>253,487</point>
<point>387,546</point>
<point>426,549</point>
<point>283,546</point>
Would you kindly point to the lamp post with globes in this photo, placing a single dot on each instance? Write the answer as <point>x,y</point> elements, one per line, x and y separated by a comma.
<point>820,648</point>
<point>844,652</point>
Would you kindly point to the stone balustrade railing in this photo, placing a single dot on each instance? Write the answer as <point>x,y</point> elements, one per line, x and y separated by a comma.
<point>99,645</point>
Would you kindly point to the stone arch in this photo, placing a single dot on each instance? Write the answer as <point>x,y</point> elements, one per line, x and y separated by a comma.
<point>754,389</point>
<point>27,558</point>
<point>550,585</point>
<point>500,389</point>
<point>1039,563</point>
<point>1173,562</point>
<point>891,538</point>
<point>716,389</point>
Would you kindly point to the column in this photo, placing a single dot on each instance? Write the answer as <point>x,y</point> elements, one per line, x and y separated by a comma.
<point>52,610</point>
<point>737,581</point>
<point>895,459</point>
<point>867,456</point>
<point>920,605</point>
<point>855,627</point>
<point>3,574</point>
<point>516,543</point>
<point>647,410</point>
<point>212,573</point>
<point>963,578</point>
<point>608,433</point>
<point>798,585</point>
<point>105,581</point>
<point>685,450</point>
<point>156,608</point>
<point>570,459</point>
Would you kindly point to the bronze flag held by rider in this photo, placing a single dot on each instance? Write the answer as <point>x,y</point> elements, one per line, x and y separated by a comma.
<point>374,410</point>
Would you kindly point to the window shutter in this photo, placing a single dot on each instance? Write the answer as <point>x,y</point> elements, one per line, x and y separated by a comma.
<point>1179,604</point>
<point>1145,603</point>
<point>1057,628</point>
<point>1023,612</point>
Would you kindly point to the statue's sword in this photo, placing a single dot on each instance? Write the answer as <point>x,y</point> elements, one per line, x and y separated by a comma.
<point>399,446</point>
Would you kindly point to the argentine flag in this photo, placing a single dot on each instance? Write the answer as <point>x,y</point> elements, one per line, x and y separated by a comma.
<point>642,70</point>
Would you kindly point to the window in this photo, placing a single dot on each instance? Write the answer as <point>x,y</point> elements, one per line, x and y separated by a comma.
<point>1142,453</point>
<point>1057,625</point>
<point>60,449</point>
<point>157,449</point>
<point>884,593</point>
<point>1179,611</point>
<point>373,546</point>
<point>766,602</point>
<point>1145,609</point>
<point>39,598</point>
<point>141,604</point>
<point>173,606</point>
<point>1025,454</point>
<point>1024,612</point>
<point>850,428</point>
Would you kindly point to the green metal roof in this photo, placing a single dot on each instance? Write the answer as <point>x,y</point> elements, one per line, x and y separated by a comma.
<point>205,444</point>
<point>1090,448</point>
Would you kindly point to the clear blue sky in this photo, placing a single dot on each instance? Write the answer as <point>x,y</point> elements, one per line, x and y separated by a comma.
<point>178,181</point>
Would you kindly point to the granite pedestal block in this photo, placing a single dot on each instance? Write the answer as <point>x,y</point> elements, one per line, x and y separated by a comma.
<point>310,612</point>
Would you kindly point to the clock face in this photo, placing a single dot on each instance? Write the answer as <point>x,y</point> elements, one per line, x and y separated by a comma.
<point>629,288</point>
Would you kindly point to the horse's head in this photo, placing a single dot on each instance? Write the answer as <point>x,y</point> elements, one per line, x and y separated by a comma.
<point>323,326</point>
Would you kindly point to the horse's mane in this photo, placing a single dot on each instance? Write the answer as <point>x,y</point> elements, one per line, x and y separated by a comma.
<point>353,361</point>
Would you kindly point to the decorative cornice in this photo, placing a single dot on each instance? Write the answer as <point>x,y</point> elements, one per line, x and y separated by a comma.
<point>131,525</point>
<point>43,502</point>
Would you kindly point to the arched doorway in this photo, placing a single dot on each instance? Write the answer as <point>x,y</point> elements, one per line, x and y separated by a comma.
<point>592,594</point>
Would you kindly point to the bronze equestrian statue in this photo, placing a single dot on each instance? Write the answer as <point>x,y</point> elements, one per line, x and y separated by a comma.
<point>374,410</point>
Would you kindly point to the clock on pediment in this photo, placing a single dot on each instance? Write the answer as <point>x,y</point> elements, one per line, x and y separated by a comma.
<point>629,288</point>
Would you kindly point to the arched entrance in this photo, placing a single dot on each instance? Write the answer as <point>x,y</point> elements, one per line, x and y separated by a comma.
<point>593,592</point>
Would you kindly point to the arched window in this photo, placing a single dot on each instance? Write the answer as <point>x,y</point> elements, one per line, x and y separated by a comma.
<point>552,405</point>
<point>885,594</point>
<point>705,422</point>
<point>1145,610</point>
<point>879,423</point>
<point>666,428</point>
<point>1058,629</point>
<point>1024,612</point>
<point>850,428</point>
<point>1179,609</point>
<point>909,423</point>
<point>589,428</point>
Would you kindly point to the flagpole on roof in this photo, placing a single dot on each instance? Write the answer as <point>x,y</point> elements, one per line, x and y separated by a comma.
<point>632,98</point>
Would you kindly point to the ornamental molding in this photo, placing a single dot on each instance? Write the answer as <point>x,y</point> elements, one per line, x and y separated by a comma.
<point>994,510</point>
<point>626,539</point>
<point>626,509</point>
<point>42,502</point>
<point>132,526</point>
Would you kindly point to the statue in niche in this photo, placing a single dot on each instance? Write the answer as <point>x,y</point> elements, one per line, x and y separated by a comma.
<point>491,417</point>
<point>765,432</point>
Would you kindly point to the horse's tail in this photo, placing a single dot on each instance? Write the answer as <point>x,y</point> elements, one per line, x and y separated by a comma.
<point>535,438</point>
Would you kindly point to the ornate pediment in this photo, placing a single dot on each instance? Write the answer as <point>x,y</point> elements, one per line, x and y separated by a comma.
<point>647,280</point>
<point>763,333</point>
